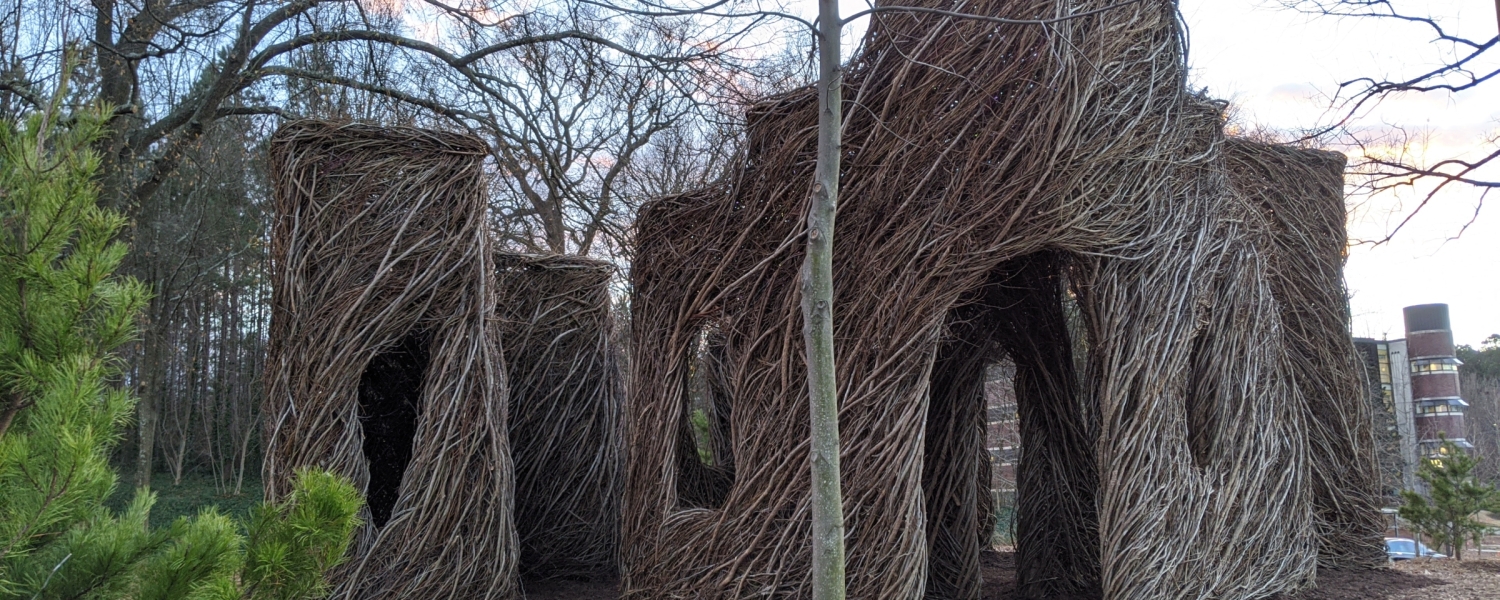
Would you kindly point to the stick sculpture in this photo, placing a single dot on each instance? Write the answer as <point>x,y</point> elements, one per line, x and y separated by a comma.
<point>384,363</point>
<point>565,402</point>
<point>992,170</point>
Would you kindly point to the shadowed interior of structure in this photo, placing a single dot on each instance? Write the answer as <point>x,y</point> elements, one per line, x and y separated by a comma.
<point>1017,312</point>
<point>390,399</point>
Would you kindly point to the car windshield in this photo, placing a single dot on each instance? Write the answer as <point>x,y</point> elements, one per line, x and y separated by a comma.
<point>1407,546</point>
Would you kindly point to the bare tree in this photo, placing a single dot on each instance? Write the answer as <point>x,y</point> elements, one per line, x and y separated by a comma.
<point>172,69</point>
<point>570,135</point>
<point>564,135</point>
<point>1468,63</point>
<point>817,314</point>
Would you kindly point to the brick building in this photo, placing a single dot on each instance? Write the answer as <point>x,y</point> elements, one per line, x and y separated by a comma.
<point>1004,434</point>
<point>1415,393</point>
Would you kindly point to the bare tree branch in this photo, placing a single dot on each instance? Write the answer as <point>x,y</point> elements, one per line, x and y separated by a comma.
<point>1374,165</point>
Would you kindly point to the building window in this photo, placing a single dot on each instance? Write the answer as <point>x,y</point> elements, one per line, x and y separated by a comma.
<point>1434,365</point>
<point>1440,409</point>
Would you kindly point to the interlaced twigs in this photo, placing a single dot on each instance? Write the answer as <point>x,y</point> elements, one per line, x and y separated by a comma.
<point>987,154</point>
<point>1301,196</point>
<point>565,398</point>
<point>381,245</point>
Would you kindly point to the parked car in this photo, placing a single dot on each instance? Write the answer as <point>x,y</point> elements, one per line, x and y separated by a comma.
<point>1407,549</point>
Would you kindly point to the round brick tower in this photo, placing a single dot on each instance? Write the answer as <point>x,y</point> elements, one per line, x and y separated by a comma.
<point>1434,377</point>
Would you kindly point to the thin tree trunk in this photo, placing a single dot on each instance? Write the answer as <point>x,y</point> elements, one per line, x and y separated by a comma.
<point>220,457</point>
<point>146,414</point>
<point>191,393</point>
<point>817,316</point>
<point>147,391</point>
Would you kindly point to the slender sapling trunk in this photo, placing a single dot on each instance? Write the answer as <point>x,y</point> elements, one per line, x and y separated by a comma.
<point>817,317</point>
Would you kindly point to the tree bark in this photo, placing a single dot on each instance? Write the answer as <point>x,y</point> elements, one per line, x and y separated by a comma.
<point>9,416</point>
<point>817,315</point>
<point>146,405</point>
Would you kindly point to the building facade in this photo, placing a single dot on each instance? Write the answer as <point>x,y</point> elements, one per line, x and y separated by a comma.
<point>1415,393</point>
<point>1434,377</point>
<point>1391,411</point>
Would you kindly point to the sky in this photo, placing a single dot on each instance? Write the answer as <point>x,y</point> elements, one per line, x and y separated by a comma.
<point>1278,67</point>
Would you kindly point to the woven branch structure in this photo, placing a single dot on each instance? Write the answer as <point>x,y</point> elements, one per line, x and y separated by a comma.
<point>994,176</point>
<point>1301,196</point>
<point>384,363</point>
<point>565,400</point>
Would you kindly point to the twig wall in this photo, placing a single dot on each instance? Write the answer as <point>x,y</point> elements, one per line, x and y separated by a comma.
<point>383,352</point>
<point>1176,466</point>
<point>565,400</point>
<point>1301,196</point>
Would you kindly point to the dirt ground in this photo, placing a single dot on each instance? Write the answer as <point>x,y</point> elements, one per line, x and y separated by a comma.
<point>1412,580</point>
<point>571,590</point>
<point>1409,580</point>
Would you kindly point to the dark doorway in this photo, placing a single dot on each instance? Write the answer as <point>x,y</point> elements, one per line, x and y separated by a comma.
<point>390,401</point>
<point>1022,312</point>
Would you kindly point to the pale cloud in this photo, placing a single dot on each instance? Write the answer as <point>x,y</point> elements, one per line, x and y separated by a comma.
<point>1296,93</point>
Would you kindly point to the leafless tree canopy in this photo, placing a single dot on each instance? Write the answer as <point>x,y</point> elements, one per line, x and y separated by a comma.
<point>586,109</point>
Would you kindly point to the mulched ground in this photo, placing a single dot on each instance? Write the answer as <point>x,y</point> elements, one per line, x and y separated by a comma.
<point>1379,584</point>
<point>1408,580</point>
<point>999,569</point>
<point>571,590</point>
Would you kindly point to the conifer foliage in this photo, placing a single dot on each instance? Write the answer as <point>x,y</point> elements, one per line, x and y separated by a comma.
<point>1445,514</point>
<point>63,315</point>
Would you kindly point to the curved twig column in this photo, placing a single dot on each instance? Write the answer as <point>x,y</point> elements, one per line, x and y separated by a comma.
<point>380,246</point>
<point>565,400</point>
<point>1301,195</point>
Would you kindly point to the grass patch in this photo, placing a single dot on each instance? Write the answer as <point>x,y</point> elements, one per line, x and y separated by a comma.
<point>196,492</point>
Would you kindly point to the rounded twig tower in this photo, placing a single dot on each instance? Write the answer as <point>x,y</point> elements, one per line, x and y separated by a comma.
<point>384,362</point>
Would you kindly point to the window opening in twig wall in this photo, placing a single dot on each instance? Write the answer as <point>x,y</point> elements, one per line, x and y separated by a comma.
<point>390,399</point>
<point>706,456</point>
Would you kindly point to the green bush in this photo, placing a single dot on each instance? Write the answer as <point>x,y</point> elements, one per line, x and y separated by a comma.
<point>63,315</point>
<point>1445,515</point>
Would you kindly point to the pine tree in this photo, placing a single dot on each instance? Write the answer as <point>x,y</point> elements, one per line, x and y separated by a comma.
<point>63,314</point>
<point>1454,495</point>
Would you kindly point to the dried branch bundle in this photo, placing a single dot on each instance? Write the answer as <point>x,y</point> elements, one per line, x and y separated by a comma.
<point>989,170</point>
<point>1301,196</point>
<point>565,400</point>
<point>384,363</point>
